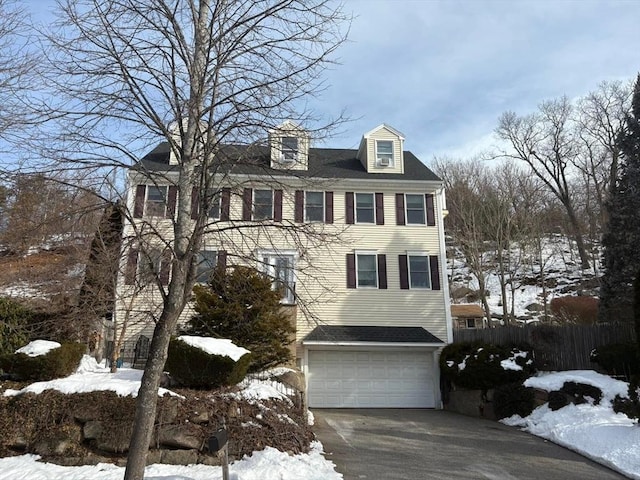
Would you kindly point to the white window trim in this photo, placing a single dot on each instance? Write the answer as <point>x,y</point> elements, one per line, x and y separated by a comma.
<point>146,201</point>
<point>392,160</point>
<point>355,208</point>
<point>266,268</point>
<point>324,201</point>
<point>296,152</point>
<point>424,210</point>
<point>418,253</point>
<point>367,252</point>
<point>205,249</point>
<point>253,204</point>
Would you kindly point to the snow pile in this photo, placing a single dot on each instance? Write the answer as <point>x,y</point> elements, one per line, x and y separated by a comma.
<point>215,346</point>
<point>268,463</point>
<point>38,347</point>
<point>595,431</point>
<point>254,390</point>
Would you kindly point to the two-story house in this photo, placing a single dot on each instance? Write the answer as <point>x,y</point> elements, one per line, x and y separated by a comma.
<point>353,238</point>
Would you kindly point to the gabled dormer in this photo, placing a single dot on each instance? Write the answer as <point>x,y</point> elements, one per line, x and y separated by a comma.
<point>381,150</point>
<point>289,146</point>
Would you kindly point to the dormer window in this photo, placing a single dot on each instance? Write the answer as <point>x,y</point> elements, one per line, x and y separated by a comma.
<point>384,153</point>
<point>289,149</point>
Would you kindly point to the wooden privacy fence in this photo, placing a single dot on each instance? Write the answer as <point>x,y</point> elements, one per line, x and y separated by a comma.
<point>566,347</point>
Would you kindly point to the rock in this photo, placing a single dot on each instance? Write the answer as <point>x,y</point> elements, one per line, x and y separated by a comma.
<point>153,456</point>
<point>188,436</point>
<point>168,410</point>
<point>294,379</point>
<point>114,437</point>
<point>180,457</point>
<point>534,307</point>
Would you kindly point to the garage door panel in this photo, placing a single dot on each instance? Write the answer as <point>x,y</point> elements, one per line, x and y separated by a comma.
<point>339,378</point>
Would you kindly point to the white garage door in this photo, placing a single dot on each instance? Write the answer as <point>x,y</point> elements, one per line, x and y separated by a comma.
<point>370,379</point>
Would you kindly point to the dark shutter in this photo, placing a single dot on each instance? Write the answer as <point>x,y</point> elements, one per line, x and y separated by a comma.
<point>195,200</point>
<point>435,272</point>
<point>351,270</point>
<point>132,267</point>
<point>225,202</point>
<point>404,272</point>
<point>165,267</point>
<point>298,214</point>
<point>138,206</point>
<point>277,205</point>
<point>431,215</point>
<point>221,259</point>
<point>247,197</point>
<point>171,201</point>
<point>328,207</point>
<point>382,272</point>
<point>379,209</point>
<point>349,204</point>
<point>400,209</point>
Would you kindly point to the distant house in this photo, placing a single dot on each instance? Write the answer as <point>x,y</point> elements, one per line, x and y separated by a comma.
<point>376,339</point>
<point>467,315</point>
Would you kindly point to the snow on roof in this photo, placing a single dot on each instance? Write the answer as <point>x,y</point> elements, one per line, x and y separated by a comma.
<point>38,347</point>
<point>215,346</point>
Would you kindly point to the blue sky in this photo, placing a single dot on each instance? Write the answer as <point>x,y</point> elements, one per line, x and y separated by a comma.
<point>442,71</point>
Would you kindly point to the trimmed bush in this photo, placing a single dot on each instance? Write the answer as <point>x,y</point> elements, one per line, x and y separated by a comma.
<point>57,363</point>
<point>14,325</point>
<point>580,310</point>
<point>557,400</point>
<point>629,406</point>
<point>513,399</point>
<point>478,366</point>
<point>580,391</point>
<point>618,359</point>
<point>195,368</point>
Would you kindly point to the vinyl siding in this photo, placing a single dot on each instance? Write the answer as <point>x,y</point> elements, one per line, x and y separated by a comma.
<point>321,282</point>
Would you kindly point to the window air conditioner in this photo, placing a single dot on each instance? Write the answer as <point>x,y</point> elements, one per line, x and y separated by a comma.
<point>287,159</point>
<point>383,162</point>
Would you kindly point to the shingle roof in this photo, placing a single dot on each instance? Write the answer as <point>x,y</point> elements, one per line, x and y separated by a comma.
<point>346,333</point>
<point>467,310</point>
<point>323,163</point>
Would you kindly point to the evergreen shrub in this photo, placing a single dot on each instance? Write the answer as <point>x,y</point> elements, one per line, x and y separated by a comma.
<point>57,363</point>
<point>581,391</point>
<point>618,359</point>
<point>477,366</point>
<point>513,399</point>
<point>195,368</point>
<point>14,323</point>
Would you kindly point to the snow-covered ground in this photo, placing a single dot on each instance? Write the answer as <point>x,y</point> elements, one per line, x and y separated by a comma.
<point>557,260</point>
<point>263,465</point>
<point>595,431</point>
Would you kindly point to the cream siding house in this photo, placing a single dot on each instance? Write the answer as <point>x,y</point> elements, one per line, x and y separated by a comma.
<point>355,237</point>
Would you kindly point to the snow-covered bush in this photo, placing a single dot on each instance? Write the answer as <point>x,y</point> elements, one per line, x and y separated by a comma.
<point>193,365</point>
<point>484,366</point>
<point>34,365</point>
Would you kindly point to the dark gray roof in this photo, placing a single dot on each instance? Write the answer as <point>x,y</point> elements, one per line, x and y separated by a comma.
<point>323,163</point>
<point>346,333</point>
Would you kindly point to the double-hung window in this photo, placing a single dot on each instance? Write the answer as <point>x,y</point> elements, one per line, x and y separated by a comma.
<point>289,149</point>
<point>415,209</point>
<point>214,211</point>
<point>384,153</point>
<point>280,268</point>
<point>314,207</point>
<point>366,270</point>
<point>419,275</point>
<point>205,264</point>
<point>156,205</point>
<point>365,208</point>
<point>262,204</point>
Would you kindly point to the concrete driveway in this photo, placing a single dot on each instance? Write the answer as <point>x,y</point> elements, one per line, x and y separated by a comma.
<point>434,444</point>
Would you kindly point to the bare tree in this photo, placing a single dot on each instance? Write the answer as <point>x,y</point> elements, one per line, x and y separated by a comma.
<point>546,141</point>
<point>200,75</point>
